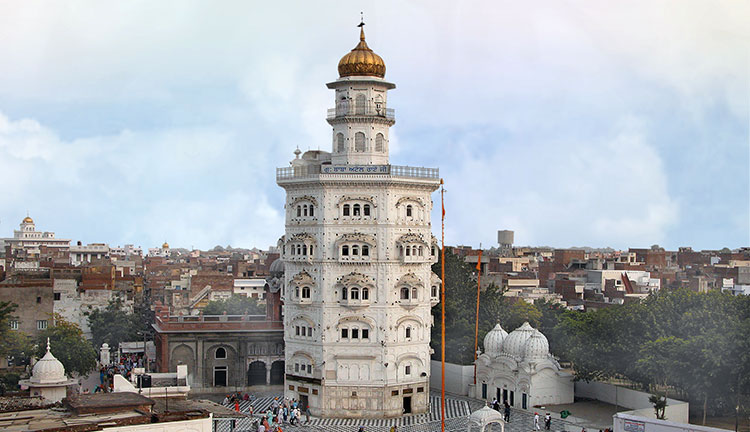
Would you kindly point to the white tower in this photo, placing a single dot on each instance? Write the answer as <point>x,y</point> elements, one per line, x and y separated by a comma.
<point>357,256</point>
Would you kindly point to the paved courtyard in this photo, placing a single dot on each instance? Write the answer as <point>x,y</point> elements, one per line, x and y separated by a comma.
<point>457,410</point>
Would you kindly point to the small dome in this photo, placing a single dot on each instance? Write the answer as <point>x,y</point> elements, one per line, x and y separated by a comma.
<point>537,347</point>
<point>165,245</point>
<point>277,266</point>
<point>493,341</point>
<point>48,370</point>
<point>361,60</point>
<point>515,343</point>
<point>28,219</point>
<point>485,416</point>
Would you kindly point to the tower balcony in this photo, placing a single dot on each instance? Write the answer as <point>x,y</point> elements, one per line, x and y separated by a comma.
<point>355,110</point>
<point>330,171</point>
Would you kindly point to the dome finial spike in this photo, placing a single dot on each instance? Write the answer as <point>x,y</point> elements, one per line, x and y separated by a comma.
<point>361,26</point>
<point>47,344</point>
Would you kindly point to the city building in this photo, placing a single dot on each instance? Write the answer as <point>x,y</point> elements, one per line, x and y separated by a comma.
<point>28,238</point>
<point>357,252</point>
<point>518,368</point>
<point>224,353</point>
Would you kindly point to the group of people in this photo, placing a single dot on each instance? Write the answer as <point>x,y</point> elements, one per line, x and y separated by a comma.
<point>281,412</point>
<point>506,408</point>
<point>547,421</point>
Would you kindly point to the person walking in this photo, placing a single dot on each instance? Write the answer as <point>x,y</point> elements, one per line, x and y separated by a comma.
<point>506,411</point>
<point>307,414</point>
<point>536,421</point>
<point>547,421</point>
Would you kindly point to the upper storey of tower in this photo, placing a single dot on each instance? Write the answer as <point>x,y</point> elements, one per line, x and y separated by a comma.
<point>360,123</point>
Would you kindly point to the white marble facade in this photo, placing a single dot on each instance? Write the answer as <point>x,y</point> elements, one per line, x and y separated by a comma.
<point>357,252</point>
<point>519,368</point>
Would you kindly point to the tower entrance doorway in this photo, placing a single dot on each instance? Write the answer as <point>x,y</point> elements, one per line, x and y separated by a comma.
<point>407,404</point>
<point>256,373</point>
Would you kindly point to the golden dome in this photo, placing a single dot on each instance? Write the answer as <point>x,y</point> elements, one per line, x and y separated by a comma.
<point>165,245</point>
<point>361,60</point>
<point>27,219</point>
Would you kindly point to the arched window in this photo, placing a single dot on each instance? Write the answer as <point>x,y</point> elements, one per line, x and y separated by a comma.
<point>404,293</point>
<point>355,250</point>
<point>421,251</point>
<point>345,250</point>
<point>365,250</point>
<point>365,293</point>
<point>354,293</point>
<point>414,294</point>
<point>346,209</point>
<point>359,142</point>
<point>311,211</point>
<point>366,209</point>
<point>434,291</point>
<point>340,142</point>
<point>408,332</point>
<point>299,210</point>
<point>344,293</point>
<point>306,292</point>
<point>379,139</point>
<point>296,292</point>
<point>356,210</point>
<point>221,353</point>
<point>310,250</point>
<point>304,210</point>
<point>304,249</point>
<point>408,251</point>
<point>414,251</point>
<point>408,211</point>
<point>360,104</point>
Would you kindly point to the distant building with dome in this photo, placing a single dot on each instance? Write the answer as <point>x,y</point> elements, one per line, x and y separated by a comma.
<point>29,239</point>
<point>48,379</point>
<point>519,368</point>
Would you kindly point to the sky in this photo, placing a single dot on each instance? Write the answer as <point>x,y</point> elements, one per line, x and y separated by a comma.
<point>572,123</point>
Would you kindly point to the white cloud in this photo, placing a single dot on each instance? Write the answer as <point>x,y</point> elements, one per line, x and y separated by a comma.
<point>182,184</point>
<point>562,193</point>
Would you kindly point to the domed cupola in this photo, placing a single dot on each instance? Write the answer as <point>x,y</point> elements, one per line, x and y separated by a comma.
<point>537,347</point>
<point>48,370</point>
<point>515,344</point>
<point>493,341</point>
<point>361,61</point>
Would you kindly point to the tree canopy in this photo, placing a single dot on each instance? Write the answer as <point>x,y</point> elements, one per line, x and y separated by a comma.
<point>68,345</point>
<point>460,311</point>
<point>114,324</point>
<point>235,305</point>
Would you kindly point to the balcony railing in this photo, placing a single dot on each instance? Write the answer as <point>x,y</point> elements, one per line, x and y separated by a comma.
<point>311,171</point>
<point>346,109</point>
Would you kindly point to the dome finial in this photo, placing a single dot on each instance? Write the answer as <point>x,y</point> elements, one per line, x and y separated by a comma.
<point>47,344</point>
<point>361,26</point>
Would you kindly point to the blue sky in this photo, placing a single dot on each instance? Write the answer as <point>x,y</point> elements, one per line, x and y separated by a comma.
<point>572,123</point>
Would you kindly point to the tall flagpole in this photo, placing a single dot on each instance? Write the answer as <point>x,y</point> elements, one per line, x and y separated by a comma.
<point>442,306</point>
<point>476,324</point>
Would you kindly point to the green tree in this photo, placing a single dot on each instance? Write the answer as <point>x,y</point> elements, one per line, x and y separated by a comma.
<point>68,345</point>
<point>6,313</point>
<point>234,305</point>
<point>114,324</point>
<point>17,346</point>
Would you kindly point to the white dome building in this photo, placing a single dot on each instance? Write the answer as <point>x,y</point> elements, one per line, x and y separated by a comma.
<point>48,378</point>
<point>493,341</point>
<point>519,368</point>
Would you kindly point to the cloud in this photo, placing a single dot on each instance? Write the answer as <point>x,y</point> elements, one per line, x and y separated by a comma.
<point>184,185</point>
<point>585,121</point>
<point>612,191</point>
